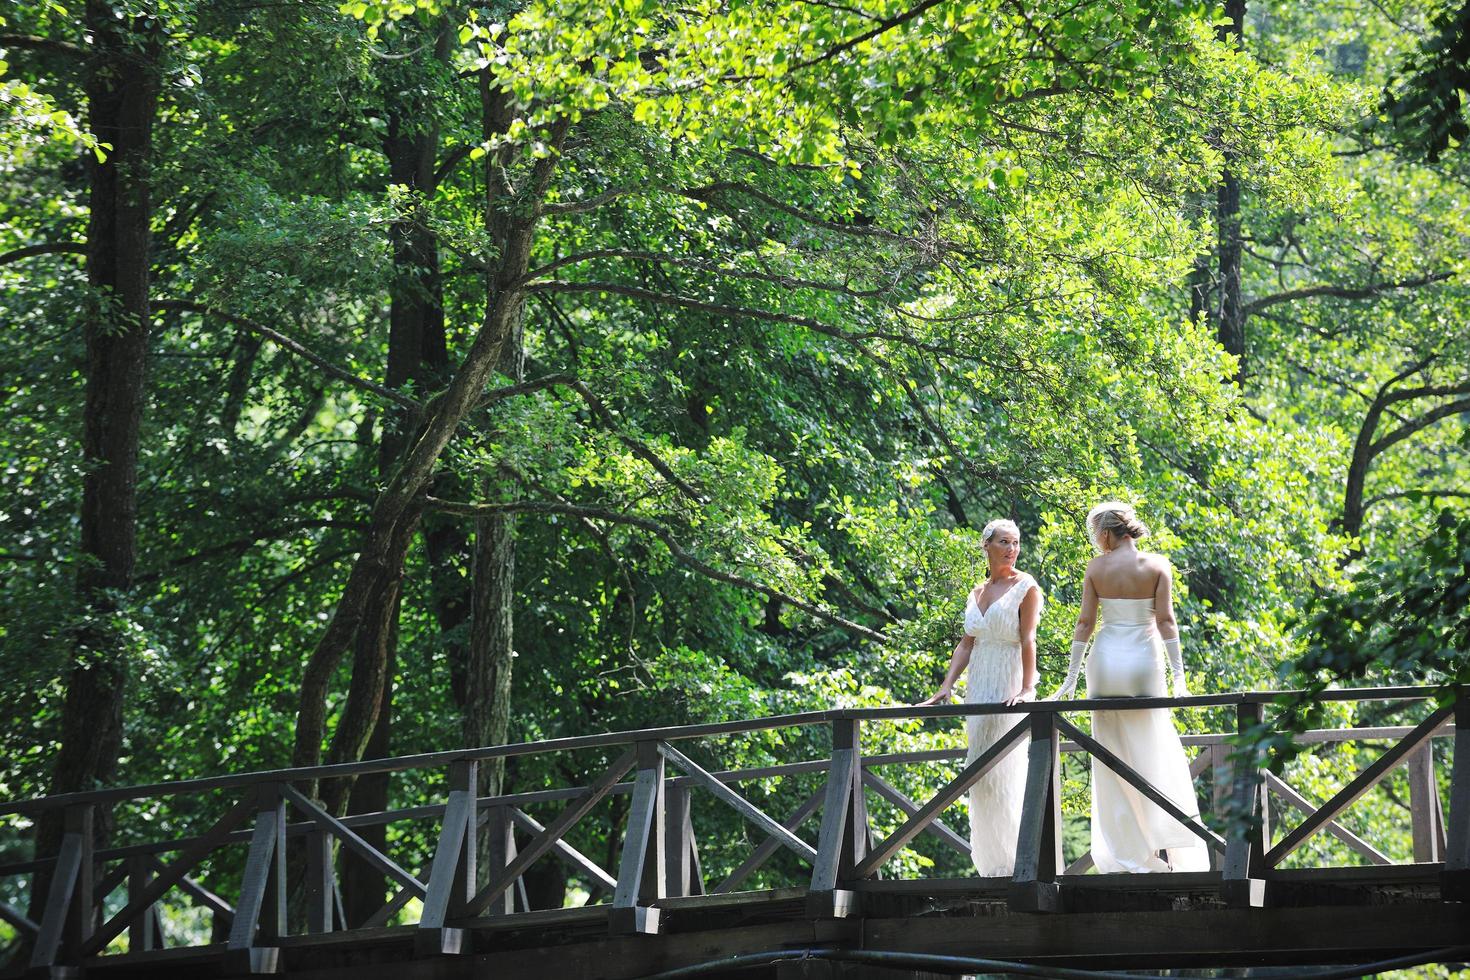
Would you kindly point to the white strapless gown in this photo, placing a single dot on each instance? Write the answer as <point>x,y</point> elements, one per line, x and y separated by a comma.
<point>1128,830</point>
<point>996,674</point>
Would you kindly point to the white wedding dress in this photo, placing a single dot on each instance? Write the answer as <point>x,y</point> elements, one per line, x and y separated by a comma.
<point>995,674</point>
<point>1128,830</point>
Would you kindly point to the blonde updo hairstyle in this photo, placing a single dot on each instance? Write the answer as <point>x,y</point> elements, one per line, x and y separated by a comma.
<point>1116,517</point>
<point>998,525</point>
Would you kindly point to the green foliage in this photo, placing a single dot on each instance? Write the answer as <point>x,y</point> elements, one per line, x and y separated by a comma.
<point>859,292</point>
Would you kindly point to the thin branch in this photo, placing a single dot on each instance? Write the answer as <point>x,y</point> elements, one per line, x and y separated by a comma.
<point>295,347</point>
<point>241,545</point>
<point>708,191</point>
<point>704,306</point>
<point>882,27</point>
<point>594,403</point>
<point>49,248</point>
<point>1342,292</point>
<point>665,258</point>
<point>1404,494</point>
<point>664,534</point>
<point>34,42</point>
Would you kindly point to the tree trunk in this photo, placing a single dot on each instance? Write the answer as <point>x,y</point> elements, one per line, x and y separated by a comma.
<point>1230,320</point>
<point>122,86</point>
<point>416,354</point>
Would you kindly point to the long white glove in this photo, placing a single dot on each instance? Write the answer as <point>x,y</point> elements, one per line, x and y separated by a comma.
<point>1079,648</point>
<point>1176,667</point>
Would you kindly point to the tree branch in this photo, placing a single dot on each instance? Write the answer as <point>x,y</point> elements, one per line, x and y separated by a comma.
<point>295,347</point>
<point>1403,494</point>
<point>664,534</point>
<point>704,306</point>
<point>665,258</point>
<point>1423,422</point>
<point>33,42</point>
<point>1342,292</point>
<point>49,248</point>
<point>594,403</point>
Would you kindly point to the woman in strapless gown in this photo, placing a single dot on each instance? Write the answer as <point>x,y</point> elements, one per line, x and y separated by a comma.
<point>999,646</point>
<point>1129,832</point>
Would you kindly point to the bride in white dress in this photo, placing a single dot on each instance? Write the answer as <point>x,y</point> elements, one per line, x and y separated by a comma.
<point>999,646</point>
<point>1132,590</point>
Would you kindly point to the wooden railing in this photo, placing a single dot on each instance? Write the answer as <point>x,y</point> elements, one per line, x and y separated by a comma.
<point>660,852</point>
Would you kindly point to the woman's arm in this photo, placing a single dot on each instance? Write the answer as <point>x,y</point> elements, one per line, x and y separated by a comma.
<point>1030,616</point>
<point>1164,603</point>
<point>958,661</point>
<point>1086,623</point>
<point>1169,628</point>
<point>1087,615</point>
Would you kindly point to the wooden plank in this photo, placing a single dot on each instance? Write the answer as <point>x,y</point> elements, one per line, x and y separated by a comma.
<point>264,844</point>
<point>1039,843</point>
<point>170,874</point>
<point>198,892</point>
<point>320,880</point>
<point>143,930</point>
<point>937,827</point>
<point>450,853</point>
<point>678,840</point>
<point>1276,784</point>
<point>1131,776</point>
<point>770,845</point>
<point>740,804</point>
<point>1365,781</point>
<point>58,901</point>
<point>566,852</point>
<point>1424,818</point>
<point>500,846</point>
<point>642,876</point>
<point>555,830</point>
<point>426,760</point>
<point>379,919</point>
<point>948,794</point>
<point>835,814</point>
<point>1456,881</point>
<point>440,759</point>
<point>375,858</point>
<point>18,920</point>
<point>1241,885</point>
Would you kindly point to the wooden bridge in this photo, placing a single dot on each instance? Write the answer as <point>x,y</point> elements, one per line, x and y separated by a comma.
<point>838,913</point>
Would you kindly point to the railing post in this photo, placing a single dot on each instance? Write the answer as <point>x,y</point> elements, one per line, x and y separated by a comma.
<point>1455,881</point>
<point>843,842</point>
<point>1242,880</point>
<point>500,844</point>
<point>144,932</point>
<point>1039,845</point>
<point>68,916</point>
<point>262,888</point>
<point>1220,786</point>
<point>641,875</point>
<point>681,851</point>
<point>1424,813</point>
<point>321,881</point>
<point>452,875</point>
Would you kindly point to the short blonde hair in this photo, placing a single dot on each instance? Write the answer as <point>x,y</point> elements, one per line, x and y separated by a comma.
<point>1115,517</point>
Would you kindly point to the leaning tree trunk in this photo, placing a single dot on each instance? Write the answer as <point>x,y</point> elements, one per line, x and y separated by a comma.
<point>122,85</point>
<point>415,354</point>
<point>513,225</point>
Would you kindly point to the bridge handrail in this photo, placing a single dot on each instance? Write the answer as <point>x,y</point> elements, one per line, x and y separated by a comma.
<point>430,760</point>
<point>532,797</point>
